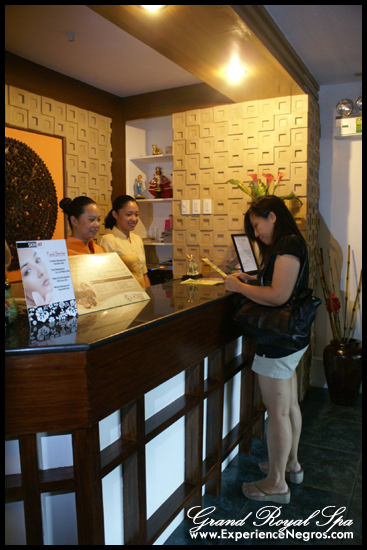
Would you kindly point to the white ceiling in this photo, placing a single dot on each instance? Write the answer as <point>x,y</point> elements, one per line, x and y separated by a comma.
<point>328,39</point>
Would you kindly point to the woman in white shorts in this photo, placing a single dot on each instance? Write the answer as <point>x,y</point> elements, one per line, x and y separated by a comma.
<point>283,250</point>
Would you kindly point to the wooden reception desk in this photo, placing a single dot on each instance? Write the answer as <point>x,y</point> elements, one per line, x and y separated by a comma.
<point>68,379</point>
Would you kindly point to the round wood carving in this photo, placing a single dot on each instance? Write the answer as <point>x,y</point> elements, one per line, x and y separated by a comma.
<point>30,197</point>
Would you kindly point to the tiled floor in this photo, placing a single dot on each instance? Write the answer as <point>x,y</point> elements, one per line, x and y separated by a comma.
<point>331,456</point>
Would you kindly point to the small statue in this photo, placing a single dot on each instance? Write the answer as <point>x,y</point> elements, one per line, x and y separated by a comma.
<point>138,187</point>
<point>160,186</point>
<point>156,150</point>
<point>192,269</point>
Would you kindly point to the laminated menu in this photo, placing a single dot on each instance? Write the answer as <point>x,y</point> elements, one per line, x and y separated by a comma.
<point>102,281</point>
<point>47,282</point>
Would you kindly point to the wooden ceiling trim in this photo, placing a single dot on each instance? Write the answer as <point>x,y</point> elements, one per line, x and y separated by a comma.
<point>203,40</point>
<point>266,30</point>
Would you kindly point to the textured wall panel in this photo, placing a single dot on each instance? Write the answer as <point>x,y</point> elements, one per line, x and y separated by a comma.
<point>265,136</point>
<point>88,141</point>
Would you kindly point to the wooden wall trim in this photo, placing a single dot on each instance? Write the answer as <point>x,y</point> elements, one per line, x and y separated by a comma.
<point>174,100</point>
<point>37,79</point>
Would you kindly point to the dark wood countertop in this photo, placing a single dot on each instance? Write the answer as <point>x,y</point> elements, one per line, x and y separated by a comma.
<point>110,358</point>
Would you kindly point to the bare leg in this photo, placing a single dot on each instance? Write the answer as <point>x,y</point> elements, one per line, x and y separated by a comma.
<point>276,395</point>
<point>296,421</point>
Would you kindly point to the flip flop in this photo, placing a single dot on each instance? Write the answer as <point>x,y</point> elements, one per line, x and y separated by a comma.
<point>279,498</point>
<point>293,477</point>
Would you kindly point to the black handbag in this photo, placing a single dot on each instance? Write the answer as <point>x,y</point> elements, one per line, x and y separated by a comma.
<point>287,326</point>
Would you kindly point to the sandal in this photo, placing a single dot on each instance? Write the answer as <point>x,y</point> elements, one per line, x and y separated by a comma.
<point>279,498</point>
<point>293,477</point>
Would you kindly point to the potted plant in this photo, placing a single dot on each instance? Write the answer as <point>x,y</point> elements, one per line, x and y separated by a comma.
<point>343,356</point>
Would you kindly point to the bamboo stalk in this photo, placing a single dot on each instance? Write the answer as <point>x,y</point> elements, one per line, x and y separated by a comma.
<point>326,292</point>
<point>337,319</point>
<point>346,294</point>
<point>355,306</point>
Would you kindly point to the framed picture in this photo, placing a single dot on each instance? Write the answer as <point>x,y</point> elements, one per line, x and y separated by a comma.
<point>245,254</point>
<point>34,185</point>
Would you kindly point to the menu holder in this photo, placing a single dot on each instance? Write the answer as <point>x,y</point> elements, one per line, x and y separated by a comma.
<point>245,253</point>
<point>102,281</point>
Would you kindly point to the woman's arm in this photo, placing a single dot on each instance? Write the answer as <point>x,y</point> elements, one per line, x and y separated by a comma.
<point>146,280</point>
<point>285,276</point>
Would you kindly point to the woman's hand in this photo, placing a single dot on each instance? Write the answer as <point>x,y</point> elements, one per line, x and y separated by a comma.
<point>285,276</point>
<point>234,283</point>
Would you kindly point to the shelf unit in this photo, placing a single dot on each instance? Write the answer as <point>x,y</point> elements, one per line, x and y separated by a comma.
<point>141,135</point>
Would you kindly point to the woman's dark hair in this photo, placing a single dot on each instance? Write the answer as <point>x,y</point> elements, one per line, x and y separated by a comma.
<point>117,204</point>
<point>284,224</point>
<point>75,207</point>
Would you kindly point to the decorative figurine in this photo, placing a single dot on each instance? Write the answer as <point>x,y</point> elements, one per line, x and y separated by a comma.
<point>160,186</point>
<point>192,269</point>
<point>156,150</point>
<point>138,188</point>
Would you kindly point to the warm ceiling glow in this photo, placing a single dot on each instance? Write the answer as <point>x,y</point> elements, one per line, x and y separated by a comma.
<point>152,8</point>
<point>235,73</point>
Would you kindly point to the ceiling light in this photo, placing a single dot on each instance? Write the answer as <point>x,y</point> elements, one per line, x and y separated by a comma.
<point>344,107</point>
<point>153,8</point>
<point>235,73</point>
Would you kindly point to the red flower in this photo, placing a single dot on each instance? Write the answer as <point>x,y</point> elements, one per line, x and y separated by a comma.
<point>333,305</point>
<point>269,178</point>
<point>254,177</point>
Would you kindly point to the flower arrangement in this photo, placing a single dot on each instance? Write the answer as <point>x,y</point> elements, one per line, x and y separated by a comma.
<point>257,188</point>
<point>332,302</point>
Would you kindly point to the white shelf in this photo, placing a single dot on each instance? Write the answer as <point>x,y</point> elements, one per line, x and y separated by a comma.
<point>152,158</point>
<point>140,136</point>
<point>141,201</point>
<point>157,244</point>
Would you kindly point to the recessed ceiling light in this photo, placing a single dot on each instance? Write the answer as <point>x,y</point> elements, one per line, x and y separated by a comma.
<point>153,8</point>
<point>235,73</point>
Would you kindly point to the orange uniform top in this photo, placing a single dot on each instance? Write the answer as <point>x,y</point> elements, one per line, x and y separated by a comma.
<point>76,246</point>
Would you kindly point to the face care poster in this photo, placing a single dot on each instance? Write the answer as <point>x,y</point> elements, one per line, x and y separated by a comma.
<point>48,287</point>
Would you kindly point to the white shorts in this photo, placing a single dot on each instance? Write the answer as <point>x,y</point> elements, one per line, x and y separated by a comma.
<point>281,368</point>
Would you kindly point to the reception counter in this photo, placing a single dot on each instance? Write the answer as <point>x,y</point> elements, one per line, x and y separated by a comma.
<point>69,379</point>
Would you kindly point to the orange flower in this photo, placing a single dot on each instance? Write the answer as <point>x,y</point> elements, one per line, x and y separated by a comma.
<point>269,178</point>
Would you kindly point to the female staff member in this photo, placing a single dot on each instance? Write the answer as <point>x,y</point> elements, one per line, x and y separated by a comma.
<point>283,249</point>
<point>122,219</point>
<point>84,221</point>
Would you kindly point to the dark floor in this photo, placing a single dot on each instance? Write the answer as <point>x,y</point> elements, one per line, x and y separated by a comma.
<point>331,456</point>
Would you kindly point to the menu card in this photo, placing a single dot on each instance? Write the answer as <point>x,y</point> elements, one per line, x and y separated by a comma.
<point>47,283</point>
<point>102,281</point>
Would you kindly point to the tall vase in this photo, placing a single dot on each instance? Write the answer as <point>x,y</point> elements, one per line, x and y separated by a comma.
<point>343,371</point>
